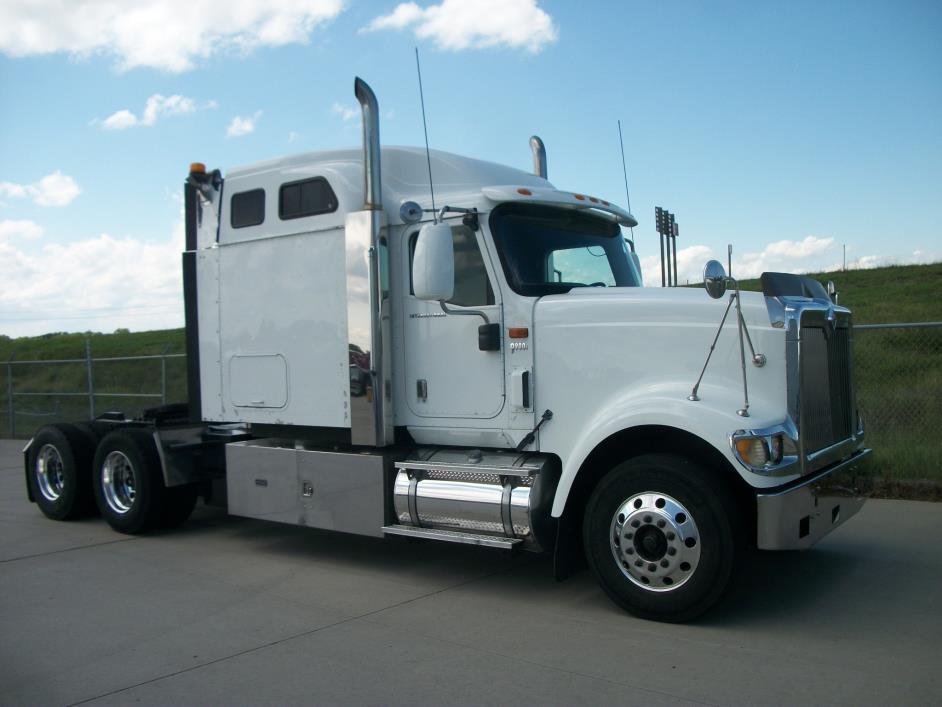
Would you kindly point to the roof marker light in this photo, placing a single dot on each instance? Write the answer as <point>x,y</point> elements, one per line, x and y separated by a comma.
<point>579,197</point>
<point>197,168</point>
<point>593,200</point>
<point>525,192</point>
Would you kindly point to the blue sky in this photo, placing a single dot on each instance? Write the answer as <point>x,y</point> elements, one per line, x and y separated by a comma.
<point>785,128</point>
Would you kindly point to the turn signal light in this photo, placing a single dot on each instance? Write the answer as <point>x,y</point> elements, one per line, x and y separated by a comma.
<point>521,332</point>
<point>753,451</point>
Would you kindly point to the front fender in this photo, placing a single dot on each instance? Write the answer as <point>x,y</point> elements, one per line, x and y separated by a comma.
<point>712,419</point>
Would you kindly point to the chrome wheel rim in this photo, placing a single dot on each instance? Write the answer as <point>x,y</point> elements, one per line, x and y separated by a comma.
<point>50,473</point>
<point>118,483</point>
<point>655,541</point>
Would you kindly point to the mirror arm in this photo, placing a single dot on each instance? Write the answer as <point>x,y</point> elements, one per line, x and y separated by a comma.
<point>471,312</point>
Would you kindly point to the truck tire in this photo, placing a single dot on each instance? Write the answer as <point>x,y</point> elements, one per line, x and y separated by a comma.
<point>128,483</point>
<point>60,470</point>
<point>662,537</point>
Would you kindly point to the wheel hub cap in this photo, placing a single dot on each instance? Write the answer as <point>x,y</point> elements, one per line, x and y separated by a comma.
<point>117,482</point>
<point>50,477</point>
<point>655,541</point>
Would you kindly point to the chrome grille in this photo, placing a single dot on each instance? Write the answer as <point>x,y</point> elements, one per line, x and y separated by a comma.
<point>827,410</point>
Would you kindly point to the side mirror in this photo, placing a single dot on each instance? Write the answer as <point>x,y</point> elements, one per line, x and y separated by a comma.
<point>433,266</point>
<point>832,291</point>
<point>714,279</point>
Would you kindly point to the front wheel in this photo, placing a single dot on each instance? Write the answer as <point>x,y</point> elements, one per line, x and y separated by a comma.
<point>661,535</point>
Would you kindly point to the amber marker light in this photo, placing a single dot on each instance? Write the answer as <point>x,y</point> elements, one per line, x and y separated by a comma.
<point>579,197</point>
<point>520,332</point>
<point>525,192</point>
<point>753,451</point>
<point>197,168</point>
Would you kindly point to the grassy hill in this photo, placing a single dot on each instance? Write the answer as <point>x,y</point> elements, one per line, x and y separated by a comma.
<point>898,373</point>
<point>899,293</point>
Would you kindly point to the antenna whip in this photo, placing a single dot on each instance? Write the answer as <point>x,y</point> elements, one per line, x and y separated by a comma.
<point>428,156</point>
<point>624,169</point>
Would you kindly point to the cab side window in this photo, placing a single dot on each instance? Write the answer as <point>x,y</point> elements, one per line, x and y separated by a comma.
<point>472,286</point>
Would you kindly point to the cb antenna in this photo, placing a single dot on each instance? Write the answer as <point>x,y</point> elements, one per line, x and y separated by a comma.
<point>428,156</point>
<point>624,169</point>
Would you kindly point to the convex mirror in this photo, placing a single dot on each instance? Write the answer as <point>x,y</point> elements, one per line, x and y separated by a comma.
<point>714,279</point>
<point>433,266</point>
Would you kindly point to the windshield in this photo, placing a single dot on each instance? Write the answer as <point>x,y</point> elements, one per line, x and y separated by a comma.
<point>547,250</point>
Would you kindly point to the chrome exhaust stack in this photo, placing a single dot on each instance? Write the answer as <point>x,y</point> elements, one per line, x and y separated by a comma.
<point>372,186</point>
<point>370,413</point>
<point>539,156</point>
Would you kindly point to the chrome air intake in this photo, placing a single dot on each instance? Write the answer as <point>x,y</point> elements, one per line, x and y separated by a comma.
<point>504,494</point>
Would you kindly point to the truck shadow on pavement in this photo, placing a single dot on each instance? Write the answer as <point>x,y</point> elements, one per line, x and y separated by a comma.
<point>773,588</point>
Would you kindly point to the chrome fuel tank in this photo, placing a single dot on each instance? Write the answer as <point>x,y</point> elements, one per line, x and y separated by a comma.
<point>495,493</point>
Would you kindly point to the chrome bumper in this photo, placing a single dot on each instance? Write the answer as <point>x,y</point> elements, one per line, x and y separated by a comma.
<point>798,516</point>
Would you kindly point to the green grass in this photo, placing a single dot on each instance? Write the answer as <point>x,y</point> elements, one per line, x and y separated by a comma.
<point>898,372</point>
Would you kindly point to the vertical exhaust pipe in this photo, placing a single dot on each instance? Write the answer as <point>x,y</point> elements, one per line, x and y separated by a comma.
<point>539,156</point>
<point>370,406</point>
<point>372,186</point>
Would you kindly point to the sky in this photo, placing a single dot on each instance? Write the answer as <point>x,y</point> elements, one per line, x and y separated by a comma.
<point>790,130</point>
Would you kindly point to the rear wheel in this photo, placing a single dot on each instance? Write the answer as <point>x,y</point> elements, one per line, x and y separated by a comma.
<point>60,463</point>
<point>128,483</point>
<point>662,537</point>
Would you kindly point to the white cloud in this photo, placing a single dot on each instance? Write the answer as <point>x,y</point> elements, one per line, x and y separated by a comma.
<point>157,106</point>
<point>455,25</point>
<point>54,189</point>
<point>119,120</point>
<point>172,36</point>
<point>346,113</point>
<point>806,255</point>
<point>95,284</point>
<point>21,229</point>
<point>690,261</point>
<point>243,125</point>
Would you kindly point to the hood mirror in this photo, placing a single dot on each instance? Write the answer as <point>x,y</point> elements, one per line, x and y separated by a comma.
<point>714,279</point>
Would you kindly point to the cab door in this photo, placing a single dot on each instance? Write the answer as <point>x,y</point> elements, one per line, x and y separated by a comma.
<point>447,375</point>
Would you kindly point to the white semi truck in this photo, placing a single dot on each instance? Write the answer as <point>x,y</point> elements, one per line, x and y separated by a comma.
<point>487,370</point>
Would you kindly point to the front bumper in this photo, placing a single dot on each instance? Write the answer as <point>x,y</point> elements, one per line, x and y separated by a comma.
<point>798,516</point>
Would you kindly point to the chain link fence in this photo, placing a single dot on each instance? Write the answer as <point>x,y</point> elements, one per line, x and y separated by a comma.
<point>36,393</point>
<point>898,373</point>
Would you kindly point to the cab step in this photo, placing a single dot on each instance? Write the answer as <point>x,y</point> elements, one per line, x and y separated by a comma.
<point>452,536</point>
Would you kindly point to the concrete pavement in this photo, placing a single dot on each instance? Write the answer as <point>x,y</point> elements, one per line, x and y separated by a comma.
<point>232,611</point>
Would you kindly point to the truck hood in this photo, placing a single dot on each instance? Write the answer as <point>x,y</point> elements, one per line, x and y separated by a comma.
<point>675,307</point>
